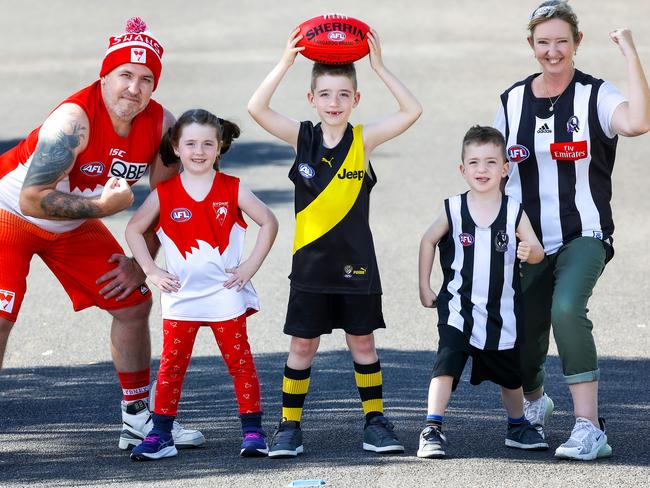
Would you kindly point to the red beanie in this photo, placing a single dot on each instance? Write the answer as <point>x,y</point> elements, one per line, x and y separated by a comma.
<point>137,45</point>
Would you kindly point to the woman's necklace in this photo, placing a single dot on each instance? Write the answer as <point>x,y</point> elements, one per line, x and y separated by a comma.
<point>551,101</point>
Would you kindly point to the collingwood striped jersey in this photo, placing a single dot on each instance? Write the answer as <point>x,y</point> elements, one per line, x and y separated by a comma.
<point>561,160</point>
<point>480,290</point>
<point>333,250</point>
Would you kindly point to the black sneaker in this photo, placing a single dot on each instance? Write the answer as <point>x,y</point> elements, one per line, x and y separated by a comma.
<point>525,436</point>
<point>287,440</point>
<point>432,443</point>
<point>378,436</point>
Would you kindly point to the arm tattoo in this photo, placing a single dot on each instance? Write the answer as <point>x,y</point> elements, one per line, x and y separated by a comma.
<point>52,157</point>
<point>66,206</point>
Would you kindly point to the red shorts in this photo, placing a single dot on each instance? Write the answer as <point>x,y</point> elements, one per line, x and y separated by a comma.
<point>77,258</point>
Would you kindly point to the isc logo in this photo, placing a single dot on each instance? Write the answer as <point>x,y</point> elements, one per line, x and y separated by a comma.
<point>181,215</point>
<point>336,36</point>
<point>93,169</point>
<point>128,171</point>
<point>518,153</point>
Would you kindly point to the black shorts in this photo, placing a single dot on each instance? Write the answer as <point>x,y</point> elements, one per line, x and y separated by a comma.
<point>310,315</point>
<point>500,367</point>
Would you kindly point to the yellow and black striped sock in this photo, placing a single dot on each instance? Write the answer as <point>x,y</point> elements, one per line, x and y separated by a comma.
<point>295,385</point>
<point>368,379</point>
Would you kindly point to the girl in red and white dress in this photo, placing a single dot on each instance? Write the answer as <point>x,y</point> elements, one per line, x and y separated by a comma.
<point>201,229</point>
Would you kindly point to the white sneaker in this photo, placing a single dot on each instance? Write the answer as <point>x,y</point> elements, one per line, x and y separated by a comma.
<point>587,442</point>
<point>137,422</point>
<point>538,412</point>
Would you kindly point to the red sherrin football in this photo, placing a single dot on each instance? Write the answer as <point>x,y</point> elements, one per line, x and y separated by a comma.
<point>334,39</point>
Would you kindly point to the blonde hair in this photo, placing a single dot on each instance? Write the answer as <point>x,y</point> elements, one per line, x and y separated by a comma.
<point>554,9</point>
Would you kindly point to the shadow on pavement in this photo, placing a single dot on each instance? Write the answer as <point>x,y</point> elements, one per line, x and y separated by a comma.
<point>8,144</point>
<point>61,423</point>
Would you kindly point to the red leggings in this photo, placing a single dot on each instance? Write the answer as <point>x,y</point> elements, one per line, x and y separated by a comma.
<point>178,342</point>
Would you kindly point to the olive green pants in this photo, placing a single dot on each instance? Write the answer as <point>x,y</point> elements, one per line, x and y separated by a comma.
<point>555,293</point>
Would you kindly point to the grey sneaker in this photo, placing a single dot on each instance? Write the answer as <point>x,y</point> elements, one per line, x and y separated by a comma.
<point>287,440</point>
<point>432,443</point>
<point>538,412</point>
<point>525,436</point>
<point>378,436</point>
<point>587,442</point>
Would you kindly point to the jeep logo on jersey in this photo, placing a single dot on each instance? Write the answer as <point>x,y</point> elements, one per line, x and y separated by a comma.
<point>128,171</point>
<point>93,169</point>
<point>351,175</point>
<point>181,215</point>
<point>466,239</point>
<point>518,153</point>
<point>7,300</point>
<point>221,209</point>
<point>336,36</point>
<point>306,171</point>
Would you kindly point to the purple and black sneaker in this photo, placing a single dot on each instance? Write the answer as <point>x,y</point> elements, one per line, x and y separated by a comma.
<point>254,443</point>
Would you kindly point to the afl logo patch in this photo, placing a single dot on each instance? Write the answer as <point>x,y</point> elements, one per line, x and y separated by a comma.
<point>306,171</point>
<point>181,215</point>
<point>93,169</point>
<point>336,36</point>
<point>518,153</point>
<point>466,239</point>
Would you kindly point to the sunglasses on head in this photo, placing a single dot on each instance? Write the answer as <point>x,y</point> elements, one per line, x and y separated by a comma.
<point>544,11</point>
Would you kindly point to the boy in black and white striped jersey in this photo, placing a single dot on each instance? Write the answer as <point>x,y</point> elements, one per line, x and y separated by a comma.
<point>482,235</point>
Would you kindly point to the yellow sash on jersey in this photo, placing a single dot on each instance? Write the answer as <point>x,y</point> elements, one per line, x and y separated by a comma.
<point>335,201</point>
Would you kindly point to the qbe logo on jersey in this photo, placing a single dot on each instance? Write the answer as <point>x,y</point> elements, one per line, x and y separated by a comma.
<point>128,171</point>
<point>7,300</point>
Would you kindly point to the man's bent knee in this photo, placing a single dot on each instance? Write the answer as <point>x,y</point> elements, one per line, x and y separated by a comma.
<point>136,313</point>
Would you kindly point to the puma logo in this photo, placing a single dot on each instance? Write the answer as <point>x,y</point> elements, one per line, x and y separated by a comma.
<point>327,161</point>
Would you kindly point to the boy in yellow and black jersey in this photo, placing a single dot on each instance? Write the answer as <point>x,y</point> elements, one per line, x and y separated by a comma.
<point>334,278</point>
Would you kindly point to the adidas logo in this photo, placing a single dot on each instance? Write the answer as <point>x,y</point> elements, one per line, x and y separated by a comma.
<point>545,129</point>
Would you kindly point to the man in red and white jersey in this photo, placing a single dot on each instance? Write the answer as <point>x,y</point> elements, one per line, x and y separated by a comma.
<point>56,184</point>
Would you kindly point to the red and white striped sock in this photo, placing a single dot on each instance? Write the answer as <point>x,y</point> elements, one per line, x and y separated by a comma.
<point>135,385</point>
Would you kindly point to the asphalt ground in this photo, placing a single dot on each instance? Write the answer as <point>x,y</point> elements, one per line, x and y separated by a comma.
<point>59,416</point>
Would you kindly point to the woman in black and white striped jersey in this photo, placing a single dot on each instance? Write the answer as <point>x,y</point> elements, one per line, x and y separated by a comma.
<point>561,128</point>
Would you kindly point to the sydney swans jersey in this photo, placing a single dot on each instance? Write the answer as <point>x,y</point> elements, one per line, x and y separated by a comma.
<point>107,154</point>
<point>480,290</point>
<point>333,251</point>
<point>561,161</point>
<point>201,240</point>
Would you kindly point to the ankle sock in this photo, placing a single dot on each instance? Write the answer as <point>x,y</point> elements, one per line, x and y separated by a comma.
<point>435,420</point>
<point>515,422</point>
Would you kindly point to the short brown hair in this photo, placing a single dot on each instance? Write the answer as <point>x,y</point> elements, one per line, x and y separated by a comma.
<point>554,9</point>
<point>480,134</point>
<point>347,70</point>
